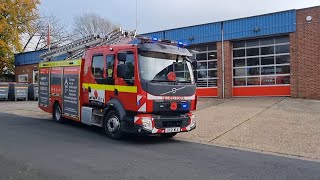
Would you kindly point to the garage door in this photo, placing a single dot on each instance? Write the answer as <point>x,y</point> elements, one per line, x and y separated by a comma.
<point>261,67</point>
<point>206,55</point>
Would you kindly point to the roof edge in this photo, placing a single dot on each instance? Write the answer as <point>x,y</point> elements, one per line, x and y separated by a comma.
<point>277,12</point>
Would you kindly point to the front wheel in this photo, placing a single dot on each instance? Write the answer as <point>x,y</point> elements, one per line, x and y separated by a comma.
<point>57,113</point>
<point>112,125</point>
<point>168,135</point>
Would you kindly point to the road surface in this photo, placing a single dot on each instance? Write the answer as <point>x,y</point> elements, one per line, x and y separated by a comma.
<point>39,149</point>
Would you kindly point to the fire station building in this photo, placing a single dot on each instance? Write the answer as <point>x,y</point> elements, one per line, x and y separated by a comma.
<point>275,54</point>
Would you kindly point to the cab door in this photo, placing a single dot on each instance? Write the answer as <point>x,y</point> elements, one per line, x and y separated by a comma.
<point>102,68</point>
<point>96,88</point>
<point>126,88</point>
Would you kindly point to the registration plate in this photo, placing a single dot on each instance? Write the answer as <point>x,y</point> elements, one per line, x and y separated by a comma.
<point>171,130</point>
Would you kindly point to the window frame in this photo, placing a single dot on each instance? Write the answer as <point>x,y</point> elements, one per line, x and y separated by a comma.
<point>103,68</point>
<point>128,51</point>
<point>24,76</point>
<point>206,82</point>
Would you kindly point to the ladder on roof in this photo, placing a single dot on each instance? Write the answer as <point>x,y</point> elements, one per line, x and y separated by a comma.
<point>77,48</point>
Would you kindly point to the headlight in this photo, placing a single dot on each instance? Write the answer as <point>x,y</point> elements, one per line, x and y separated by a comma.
<point>147,123</point>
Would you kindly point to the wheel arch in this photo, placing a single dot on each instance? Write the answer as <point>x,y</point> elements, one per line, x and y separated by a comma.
<point>56,102</point>
<point>116,105</point>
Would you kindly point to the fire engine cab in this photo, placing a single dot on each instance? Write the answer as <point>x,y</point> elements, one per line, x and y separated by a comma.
<point>145,88</point>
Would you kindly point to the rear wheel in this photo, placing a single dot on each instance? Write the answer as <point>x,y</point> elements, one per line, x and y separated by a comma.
<point>57,113</point>
<point>112,125</point>
<point>168,135</point>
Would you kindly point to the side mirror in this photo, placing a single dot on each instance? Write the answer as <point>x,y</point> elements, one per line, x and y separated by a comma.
<point>122,71</point>
<point>122,56</point>
<point>195,75</point>
<point>194,64</point>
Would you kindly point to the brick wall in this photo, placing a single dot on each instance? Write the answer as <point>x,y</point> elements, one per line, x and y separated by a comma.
<point>227,67</point>
<point>25,69</point>
<point>305,55</point>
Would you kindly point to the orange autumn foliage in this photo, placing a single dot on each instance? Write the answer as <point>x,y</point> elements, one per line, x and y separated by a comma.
<point>16,16</point>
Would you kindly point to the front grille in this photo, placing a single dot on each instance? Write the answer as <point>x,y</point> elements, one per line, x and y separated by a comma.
<point>166,122</point>
<point>164,107</point>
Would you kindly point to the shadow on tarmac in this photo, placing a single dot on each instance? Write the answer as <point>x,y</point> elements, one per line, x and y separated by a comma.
<point>128,139</point>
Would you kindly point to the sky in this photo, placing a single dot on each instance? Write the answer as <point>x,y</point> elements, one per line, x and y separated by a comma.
<point>156,15</point>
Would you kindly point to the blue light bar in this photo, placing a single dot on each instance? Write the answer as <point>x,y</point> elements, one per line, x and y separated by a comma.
<point>180,43</point>
<point>155,39</point>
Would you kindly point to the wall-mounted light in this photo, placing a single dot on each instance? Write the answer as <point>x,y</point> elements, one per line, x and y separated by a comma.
<point>257,29</point>
<point>309,19</point>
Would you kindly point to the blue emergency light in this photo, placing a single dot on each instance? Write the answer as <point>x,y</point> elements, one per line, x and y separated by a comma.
<point>179,43</point>
<point>185,106</point>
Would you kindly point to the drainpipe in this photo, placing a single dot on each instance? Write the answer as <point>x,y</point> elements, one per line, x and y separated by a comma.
<point>222,54</point>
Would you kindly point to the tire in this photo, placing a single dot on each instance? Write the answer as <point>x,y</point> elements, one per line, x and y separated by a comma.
<point>168,135</point>
<point>112,125</point>
<point>57,113</point>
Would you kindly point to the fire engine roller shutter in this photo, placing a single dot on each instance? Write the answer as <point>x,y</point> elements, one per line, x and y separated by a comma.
<point>71,68</point>
<point>261,67</point>
<point>70,100</point>
<point>44,87</point>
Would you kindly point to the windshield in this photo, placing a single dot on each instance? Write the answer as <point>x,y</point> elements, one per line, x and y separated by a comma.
<point>155,66</point>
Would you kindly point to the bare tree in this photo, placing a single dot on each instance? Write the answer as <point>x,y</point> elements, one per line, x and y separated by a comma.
<point>37,35</point>
<point>90,23</point>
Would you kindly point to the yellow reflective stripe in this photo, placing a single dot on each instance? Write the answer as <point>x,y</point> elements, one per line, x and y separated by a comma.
<point>109,88</point>
<point>76,62</point>
<point>128,89</point>
<point>96,86</point>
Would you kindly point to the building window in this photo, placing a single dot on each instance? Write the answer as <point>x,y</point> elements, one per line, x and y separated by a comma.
<point>23,78</point>
<point>206,56</point>
<point>182,70</point>
<point>261,62</point>
<point>35,76</point>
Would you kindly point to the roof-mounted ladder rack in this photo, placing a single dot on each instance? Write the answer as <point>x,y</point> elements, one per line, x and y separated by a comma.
<point>77,48</point>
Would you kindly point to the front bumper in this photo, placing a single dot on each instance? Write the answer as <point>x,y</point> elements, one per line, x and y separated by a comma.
<point>151,124</point>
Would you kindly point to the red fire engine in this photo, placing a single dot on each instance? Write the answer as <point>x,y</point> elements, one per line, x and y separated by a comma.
<point>147,87</point>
